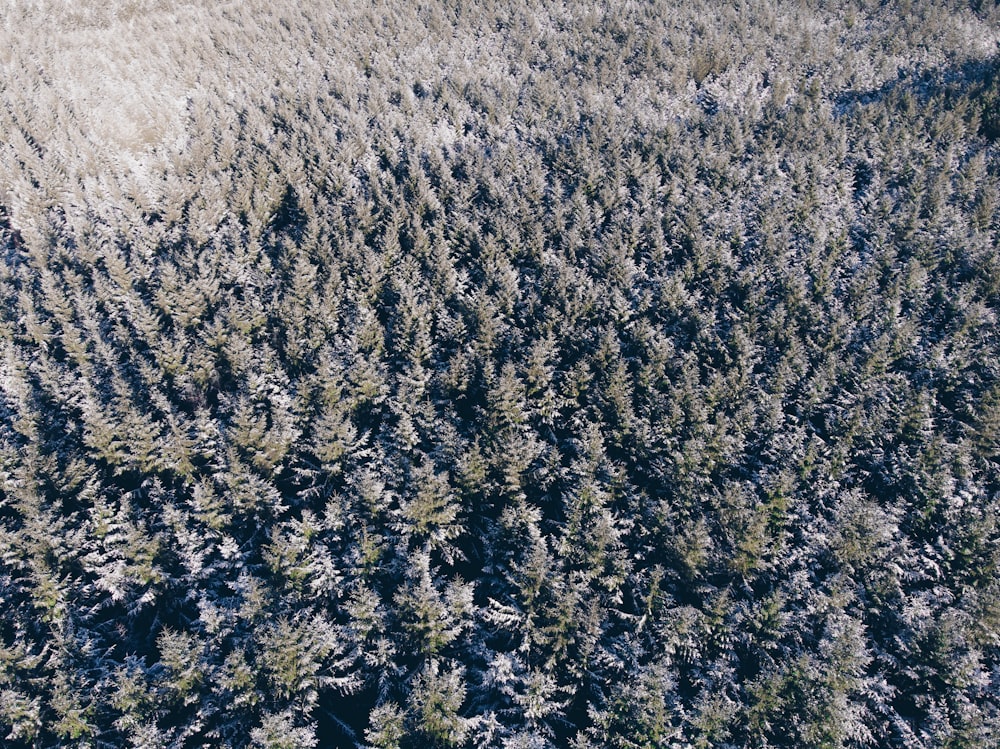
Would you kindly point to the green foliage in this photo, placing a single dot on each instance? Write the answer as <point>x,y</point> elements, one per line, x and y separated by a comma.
<point>435,702</point>
<point>505,375</point>
<point>280,732</point>
<point>181,657</point>
<point>643,715</point>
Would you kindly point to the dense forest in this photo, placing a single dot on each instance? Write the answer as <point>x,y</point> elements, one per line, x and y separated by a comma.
<point>517,374</point>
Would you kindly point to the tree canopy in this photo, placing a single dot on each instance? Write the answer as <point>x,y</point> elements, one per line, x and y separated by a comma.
<point>526,375</point>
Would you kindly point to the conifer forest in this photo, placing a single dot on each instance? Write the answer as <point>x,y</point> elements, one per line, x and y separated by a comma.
<point>516,374</point>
